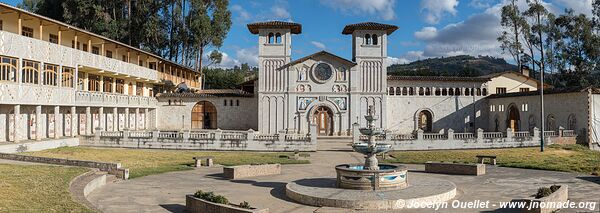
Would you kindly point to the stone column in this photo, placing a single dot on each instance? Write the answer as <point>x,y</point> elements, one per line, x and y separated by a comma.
<point>355,133</point>
<point>336,120</point>
<point>56,118</point>
<point>73,121</point>
<point>126,118</point>
<point>38,123</point>
<point>115,119</point>
<point>88,121</point>
<point>16,132</point>
<point>450,134</point>
<point>137,118</point>
<point>146,118</point>
<point>101,120</point>
<point>101,89</point>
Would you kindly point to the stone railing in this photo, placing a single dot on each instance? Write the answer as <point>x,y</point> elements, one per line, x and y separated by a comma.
<point>204,140</point>
<point>451,140</point>
<point>87,98</point>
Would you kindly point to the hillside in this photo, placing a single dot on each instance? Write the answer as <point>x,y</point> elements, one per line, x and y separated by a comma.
<point>463,65</point>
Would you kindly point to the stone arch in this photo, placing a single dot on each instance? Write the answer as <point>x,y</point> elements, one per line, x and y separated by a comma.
<point>572,122</point>
<point>513,117</point>
<point>423,119</point>
<point>204,115</point>
<point>333,123</point>
<point>551,123</point>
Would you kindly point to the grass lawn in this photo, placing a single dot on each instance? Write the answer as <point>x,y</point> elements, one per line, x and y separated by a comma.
<point>142,162</point>
<point>567,158</point>
<point>28,188</point>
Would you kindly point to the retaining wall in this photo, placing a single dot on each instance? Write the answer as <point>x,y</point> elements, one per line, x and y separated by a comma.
<point>243,171</point>
<point>455,168</point>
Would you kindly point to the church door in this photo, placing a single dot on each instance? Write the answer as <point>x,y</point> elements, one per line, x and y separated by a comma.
<point>324,120</point>
<point>204,116</point>
<point>514,119</point>
<point>425,121</point>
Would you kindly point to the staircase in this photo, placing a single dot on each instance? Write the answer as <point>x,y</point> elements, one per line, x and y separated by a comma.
<point>334,143</point>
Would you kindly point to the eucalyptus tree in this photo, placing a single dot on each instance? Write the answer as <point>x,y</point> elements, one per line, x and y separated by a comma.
<point>512,21</point>
<point>209,23</point>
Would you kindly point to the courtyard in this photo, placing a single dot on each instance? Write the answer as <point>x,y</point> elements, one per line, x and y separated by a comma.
<point>160,186</point>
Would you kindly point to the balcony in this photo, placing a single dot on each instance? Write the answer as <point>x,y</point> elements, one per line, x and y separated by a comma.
<point>34,94</point>
<point>18,46</point>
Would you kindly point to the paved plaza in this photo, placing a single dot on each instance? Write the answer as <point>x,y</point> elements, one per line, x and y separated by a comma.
<point>166,192</point>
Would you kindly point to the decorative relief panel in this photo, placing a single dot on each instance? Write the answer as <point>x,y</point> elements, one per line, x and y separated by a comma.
<point>340,102</point>
<point>339,88</point>
<point>303,103</point>
<point>303,88</point>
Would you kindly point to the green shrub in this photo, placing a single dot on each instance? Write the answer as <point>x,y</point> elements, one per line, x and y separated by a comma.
<point>211,197</point>
<point>245,205</point>
<point>219,199</point>
<point>545,191</point>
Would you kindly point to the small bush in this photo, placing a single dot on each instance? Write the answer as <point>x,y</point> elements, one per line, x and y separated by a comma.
<point>211,197</point>
<point>543,192</point>
<point>245,205</point>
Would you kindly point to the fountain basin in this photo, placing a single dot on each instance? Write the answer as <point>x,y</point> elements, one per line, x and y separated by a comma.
<point>364,149</point>
<point>352,176</point>
<point>368,131</point>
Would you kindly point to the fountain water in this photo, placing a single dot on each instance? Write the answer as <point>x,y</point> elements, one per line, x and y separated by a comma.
<point>371,175</point>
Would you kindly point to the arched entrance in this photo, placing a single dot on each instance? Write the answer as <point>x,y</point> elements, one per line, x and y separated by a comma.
<point>514,119</point>
<point>425,121</point>
<point>323,117</point>
<point>204,116</point>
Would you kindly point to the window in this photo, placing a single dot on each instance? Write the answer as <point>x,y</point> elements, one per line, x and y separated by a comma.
<point>444,92</point>
<point>478,91</point>
<point>139,89</point>
<point>367,39</point>
<point>523,89</point>
<point>500,90</point>
<point>95,50</point>
<point>141,63</point>
<point>237,102</point>
<point>53,39</point>
<point>451,92</point>
<point>109,54</point>
<point>124,58</point>
<point>80,81</point>
<point>50,75</point>
<point>85,47</point>
<point>108,83</point>
<point>467,92</point>
<point>225,102</point>
<point>26,31</point>
<point>457,92</point>
<point>93,83</point>
<point>278,38</point>
<point>485,92</point>
<point>391,91</point>
<point>67,77</point>
<point>152,65</point>
<point>1,24</point>
<point>374,37</point>
<point>270,38</point>
<point>30,72</point>
<point>120,86</point>
<point>572,122</point>
<point>8,69</point>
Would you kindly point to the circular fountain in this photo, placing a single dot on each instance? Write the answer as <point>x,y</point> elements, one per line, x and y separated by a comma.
<point>371,175</point>
<point>371,185</point>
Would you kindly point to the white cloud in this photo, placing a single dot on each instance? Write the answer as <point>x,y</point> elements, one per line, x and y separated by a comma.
<point>426,33</point>
<point>408,57</point>
<point>382,8</point>
<point>434,10</point>
<point>392,60</point>
<point>318,45</point>
<point>480,3</point>
<point>579,6</point>
<point>279,12</point>
<point>249,56</point>
<point>242,14</point>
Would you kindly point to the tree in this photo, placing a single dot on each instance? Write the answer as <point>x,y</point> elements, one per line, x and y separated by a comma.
<point>513,22</point>
<point>210,21</point>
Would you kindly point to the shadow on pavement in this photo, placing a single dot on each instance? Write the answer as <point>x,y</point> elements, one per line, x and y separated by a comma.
<point>175,208</point>
<point>592,179</point>
<point>317,182</point>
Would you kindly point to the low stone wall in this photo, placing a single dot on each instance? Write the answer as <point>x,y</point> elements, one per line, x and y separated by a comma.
<point>218,140</point>
<point>196,205</point>
<point>559,196</point>
<point>111,168</point>
<point>237,172</point>
<point>94,184</point>
<point>449,140</point>
<point>455,168</point>
<point>33,146</point>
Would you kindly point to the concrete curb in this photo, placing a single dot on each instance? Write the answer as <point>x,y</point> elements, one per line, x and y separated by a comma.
<point>84,184</point>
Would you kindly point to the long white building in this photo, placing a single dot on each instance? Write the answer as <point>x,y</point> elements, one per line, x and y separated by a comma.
<point>60,81</point>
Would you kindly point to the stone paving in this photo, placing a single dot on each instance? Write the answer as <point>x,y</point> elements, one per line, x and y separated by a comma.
<point>166,192</point>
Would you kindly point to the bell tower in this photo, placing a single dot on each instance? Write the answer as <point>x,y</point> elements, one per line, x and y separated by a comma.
<point>274,51</point>
<point>369,78</point>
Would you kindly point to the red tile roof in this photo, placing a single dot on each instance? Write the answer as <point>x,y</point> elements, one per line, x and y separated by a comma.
<point>349,29</point>
<point>294,27</point>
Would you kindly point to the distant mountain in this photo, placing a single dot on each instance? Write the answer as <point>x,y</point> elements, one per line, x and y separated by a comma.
<point>463,65</point>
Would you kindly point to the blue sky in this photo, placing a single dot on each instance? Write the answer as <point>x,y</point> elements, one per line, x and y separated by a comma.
<point>428,28</point>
